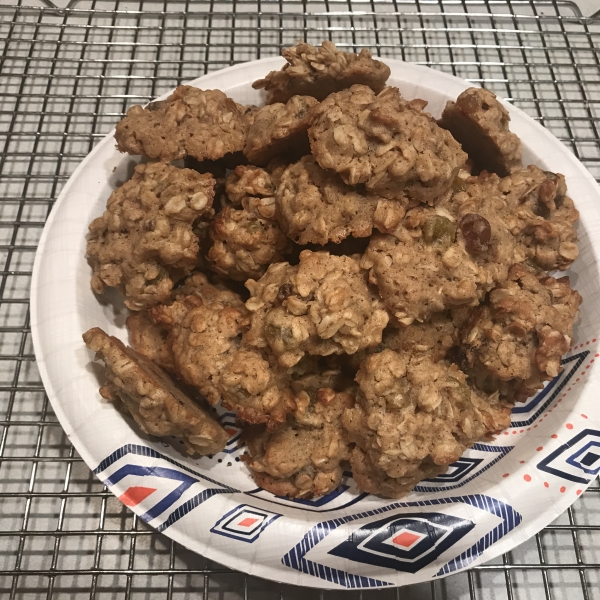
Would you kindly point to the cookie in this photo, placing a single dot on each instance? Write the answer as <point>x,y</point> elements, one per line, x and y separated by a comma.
<point>203,124</point>
<point>479,122</point>
<point>322,306</point>
<point>146,392</point>
<point>318,72</point>
<point>280,130</point>
<point>145,241</point>
<point>386,143</point>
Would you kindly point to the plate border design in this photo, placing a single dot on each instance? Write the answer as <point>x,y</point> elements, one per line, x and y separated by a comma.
<point>295,558</point>
<point>543,464</point>
<point>183,509</point>
<point>263,526</point>
<point>140,450</point>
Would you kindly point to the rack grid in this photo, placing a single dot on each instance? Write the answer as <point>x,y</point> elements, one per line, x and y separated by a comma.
<point>68,73</point>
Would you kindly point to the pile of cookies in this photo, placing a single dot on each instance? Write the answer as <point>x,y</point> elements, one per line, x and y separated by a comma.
<point>367,288</point>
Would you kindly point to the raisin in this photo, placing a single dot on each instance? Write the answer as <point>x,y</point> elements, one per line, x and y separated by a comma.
<point>477,233</point>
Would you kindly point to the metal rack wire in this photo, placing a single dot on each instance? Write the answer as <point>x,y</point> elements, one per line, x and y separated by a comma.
<point>67,75</point>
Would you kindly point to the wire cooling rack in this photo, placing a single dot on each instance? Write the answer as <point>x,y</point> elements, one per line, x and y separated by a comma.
<point>66,76</point>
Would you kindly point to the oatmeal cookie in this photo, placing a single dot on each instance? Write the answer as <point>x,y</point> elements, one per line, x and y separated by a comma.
<point>389,144</point>
<point>370,479</point>
<point>157,405</point>
<point>522,331</point>
<point>152,339</point>
<point>204,336</point>
<point>479,122</point>
<point>316,206</point>
<point>411,410</point>
<point>322,306</point>
<point>531,209</point>
<point>542,217</point>
<point>318,72</point>
<point>439,258</point>
<point>144,241</point>
<point>303,458</point>
<point>280,130</point>
<point>245,244</point>
<point>204,124</point>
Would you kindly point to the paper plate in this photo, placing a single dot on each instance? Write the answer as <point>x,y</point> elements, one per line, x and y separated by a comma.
<point>495,497</point>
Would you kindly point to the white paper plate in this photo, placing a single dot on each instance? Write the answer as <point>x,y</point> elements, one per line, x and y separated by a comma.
<point>497,496</point>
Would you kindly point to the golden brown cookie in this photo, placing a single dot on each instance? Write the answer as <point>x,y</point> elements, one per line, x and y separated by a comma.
<point>145,241</point>
<point>322,306</point>
<point>522,331</point>
<point>389,144</point>
<point>303,458</point>
<point>413,417</point>
<point>152,339</point>
<point>428,265</point>
<point>146,392</point>
<point>203,124</point>
<point>244,244</point>
<point>204,336</point>
<point>318,72</point>
<point>542,216</point>
<point>316,206</point>
<point>479,122</point>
